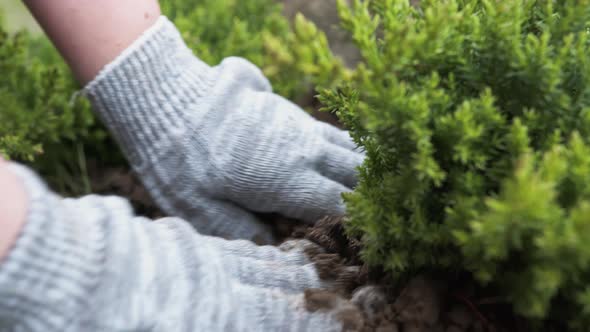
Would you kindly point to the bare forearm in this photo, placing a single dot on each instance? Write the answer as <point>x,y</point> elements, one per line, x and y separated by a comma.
<point>13,205</point>
<point>89,34</point>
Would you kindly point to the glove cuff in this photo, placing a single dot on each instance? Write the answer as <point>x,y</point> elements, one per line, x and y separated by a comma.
<point>138,94</point>
<point>54,265</point>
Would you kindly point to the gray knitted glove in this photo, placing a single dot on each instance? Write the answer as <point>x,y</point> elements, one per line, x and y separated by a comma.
<point>89,265</point>
<point>214,144</point>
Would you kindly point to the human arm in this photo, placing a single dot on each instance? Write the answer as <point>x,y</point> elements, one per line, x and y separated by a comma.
<point>90,34</point>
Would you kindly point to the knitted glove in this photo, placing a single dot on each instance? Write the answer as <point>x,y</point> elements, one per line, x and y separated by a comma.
<point>89,265</point>
<point>286,267</point>
<point>214,144</point>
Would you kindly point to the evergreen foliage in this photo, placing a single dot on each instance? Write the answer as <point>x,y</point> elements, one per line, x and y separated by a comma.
<point>41,123</point>
<point>36,100</point>
<point>295,58</point>
<point>475,116</point>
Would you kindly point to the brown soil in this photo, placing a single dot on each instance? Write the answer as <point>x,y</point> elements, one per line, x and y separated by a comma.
<point>369,299</point>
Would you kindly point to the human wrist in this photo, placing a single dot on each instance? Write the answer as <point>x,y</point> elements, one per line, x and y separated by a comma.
<point>159,75</point>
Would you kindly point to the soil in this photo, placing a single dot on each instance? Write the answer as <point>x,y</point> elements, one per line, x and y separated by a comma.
<point>381,302</point>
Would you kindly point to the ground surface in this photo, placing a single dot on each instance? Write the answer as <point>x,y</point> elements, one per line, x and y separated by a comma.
<point>391,303</point>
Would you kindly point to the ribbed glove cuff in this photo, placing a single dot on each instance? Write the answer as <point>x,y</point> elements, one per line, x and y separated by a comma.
<point>136,94</point>
<point>53,267</point>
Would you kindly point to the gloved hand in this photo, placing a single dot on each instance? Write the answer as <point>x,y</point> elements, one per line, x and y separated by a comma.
<point>214,144</point>
<point>89,265</point>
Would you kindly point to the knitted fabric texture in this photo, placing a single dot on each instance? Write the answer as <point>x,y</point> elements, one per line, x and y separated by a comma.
<point>89,264</point>
<point>214,145</point>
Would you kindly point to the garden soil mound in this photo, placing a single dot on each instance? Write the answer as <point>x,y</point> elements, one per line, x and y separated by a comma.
<point>420,304</point>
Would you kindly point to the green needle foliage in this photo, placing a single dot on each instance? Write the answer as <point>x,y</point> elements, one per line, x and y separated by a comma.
<point>301,60</point>
<point>295,58</point>
<point>36,105</point>
<point>41,123</point>
<point>216,29</point>
<point>475,116</point>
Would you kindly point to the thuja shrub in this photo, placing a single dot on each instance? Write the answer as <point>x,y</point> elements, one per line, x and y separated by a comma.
<point>295,57</point>
<point>475,118</point>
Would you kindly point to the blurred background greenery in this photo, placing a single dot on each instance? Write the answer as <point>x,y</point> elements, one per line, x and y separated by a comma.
<point>17,16</point>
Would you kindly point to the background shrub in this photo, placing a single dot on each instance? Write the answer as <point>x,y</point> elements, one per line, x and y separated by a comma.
<point>41,122</point>
<point>296,58</point>
<point>475,117</point>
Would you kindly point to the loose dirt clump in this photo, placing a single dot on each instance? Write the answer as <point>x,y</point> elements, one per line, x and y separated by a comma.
<point>369,299</point>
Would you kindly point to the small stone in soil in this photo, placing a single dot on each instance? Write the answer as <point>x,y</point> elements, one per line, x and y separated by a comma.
<point>419,303</point>
<point>344,311</point>
<point>350,317</point>
<point>371,300</point>
<point>319,299</point>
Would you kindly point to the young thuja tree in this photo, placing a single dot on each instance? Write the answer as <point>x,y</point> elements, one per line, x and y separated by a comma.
<point>475,117</point>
